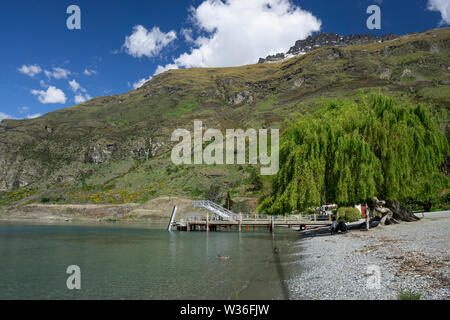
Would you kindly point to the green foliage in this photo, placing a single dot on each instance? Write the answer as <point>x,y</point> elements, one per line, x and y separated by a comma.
<point>255,180</point>
<point>184,106</point>
<point>45,200</point>
<point>214,193</point>
<point>349,214</point>
<point>172,169</point>
<point>196,192</point>
<point>228,201</point>
<point>96,196</point>
<point>8,198</point>
<point>409,295</point>
<point>348,153</point>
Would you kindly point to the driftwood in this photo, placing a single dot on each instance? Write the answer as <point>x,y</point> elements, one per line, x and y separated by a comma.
<point>385,213</point>
<point>400,212</point>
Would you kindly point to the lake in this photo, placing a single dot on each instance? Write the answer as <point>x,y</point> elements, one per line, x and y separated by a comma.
<point>144,262</point>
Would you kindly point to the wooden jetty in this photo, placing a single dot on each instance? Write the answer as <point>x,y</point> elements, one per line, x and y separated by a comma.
<point>223,219</point>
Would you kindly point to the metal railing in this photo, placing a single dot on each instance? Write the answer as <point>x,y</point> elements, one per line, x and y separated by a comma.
<point>216,209</point>
<point>225,214</point>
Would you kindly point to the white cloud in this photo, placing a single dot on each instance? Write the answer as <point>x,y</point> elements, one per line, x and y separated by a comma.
<point>80,98</point>
<point>443,6</point>
<point>170,66</point>
<point>52,95</point>
<point>74,85</point>
<point>140,83</point>
<point>187,34</point>
<point>24,109</point>
<point>57,73</point>
<point>33,116</point>
<point>89,72</point>
<point>4,116</point>
<point>30,70</point>
<point>239,32</point>
<point>147,43</point>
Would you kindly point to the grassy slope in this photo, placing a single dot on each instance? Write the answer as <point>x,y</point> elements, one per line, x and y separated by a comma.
<point>51,156</point>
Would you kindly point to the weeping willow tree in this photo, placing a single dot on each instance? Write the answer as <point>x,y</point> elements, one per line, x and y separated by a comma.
<point>350,152</point>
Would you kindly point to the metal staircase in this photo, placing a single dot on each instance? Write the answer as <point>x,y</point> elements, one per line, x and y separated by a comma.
<point>220,211</point>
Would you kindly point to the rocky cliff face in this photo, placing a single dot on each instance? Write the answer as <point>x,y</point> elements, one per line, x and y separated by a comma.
<point>323,39</point>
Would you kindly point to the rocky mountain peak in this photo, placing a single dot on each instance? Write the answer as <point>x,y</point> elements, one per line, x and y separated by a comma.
<point>324,39</point>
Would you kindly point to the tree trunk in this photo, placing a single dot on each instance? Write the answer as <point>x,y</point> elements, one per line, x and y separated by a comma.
<point>392,212</point>
<point>400,213</point>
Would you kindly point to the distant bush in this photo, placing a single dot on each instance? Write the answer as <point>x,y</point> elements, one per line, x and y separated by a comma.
<point>45,200</point>
<point>409,295</point>
<point>214,193</point>
<point>172,169</point>
<point>255,180</point>
<point>349,214</point>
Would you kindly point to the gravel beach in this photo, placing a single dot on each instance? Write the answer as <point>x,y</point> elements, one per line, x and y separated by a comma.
<point>412,257</point>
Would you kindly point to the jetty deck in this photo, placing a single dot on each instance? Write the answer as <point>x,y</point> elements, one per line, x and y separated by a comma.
<point>242,223</point>
<point>222,218</point>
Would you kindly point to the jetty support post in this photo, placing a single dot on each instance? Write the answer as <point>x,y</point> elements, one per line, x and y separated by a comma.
<point>172,217</point>
<point>207,222</point>
<point>272,225</point>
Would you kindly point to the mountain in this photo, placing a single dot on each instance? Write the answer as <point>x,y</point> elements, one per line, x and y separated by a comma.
<point>324,39</point>
<point>116,149</point>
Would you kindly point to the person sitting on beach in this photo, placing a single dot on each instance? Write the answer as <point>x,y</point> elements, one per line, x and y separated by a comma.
<point>334,225</point>
<point>341,225</point>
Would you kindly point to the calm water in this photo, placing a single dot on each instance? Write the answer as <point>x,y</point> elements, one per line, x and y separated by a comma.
<point>122,262</point>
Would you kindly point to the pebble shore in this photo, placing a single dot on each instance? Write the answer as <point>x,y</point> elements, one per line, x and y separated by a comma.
<point>412,257</point>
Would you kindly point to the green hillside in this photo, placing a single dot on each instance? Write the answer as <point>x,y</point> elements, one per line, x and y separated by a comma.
<point>116,149</point>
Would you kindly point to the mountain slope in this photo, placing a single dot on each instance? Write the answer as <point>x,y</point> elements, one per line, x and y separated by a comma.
<point>116,149</point>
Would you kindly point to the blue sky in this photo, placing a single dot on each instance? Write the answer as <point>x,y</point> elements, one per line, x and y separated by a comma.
<point>45,66</point>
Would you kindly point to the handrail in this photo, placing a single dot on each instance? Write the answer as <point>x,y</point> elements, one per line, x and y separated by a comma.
<point>215,208</point>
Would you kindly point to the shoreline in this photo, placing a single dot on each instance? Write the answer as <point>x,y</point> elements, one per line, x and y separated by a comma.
<point>411,257</point>
<point>131,213</point>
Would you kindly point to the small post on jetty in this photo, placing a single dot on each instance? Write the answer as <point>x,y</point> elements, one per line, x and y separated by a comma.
<point>207,222</point>
<point>272,226</point>
<point>172,217</point>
